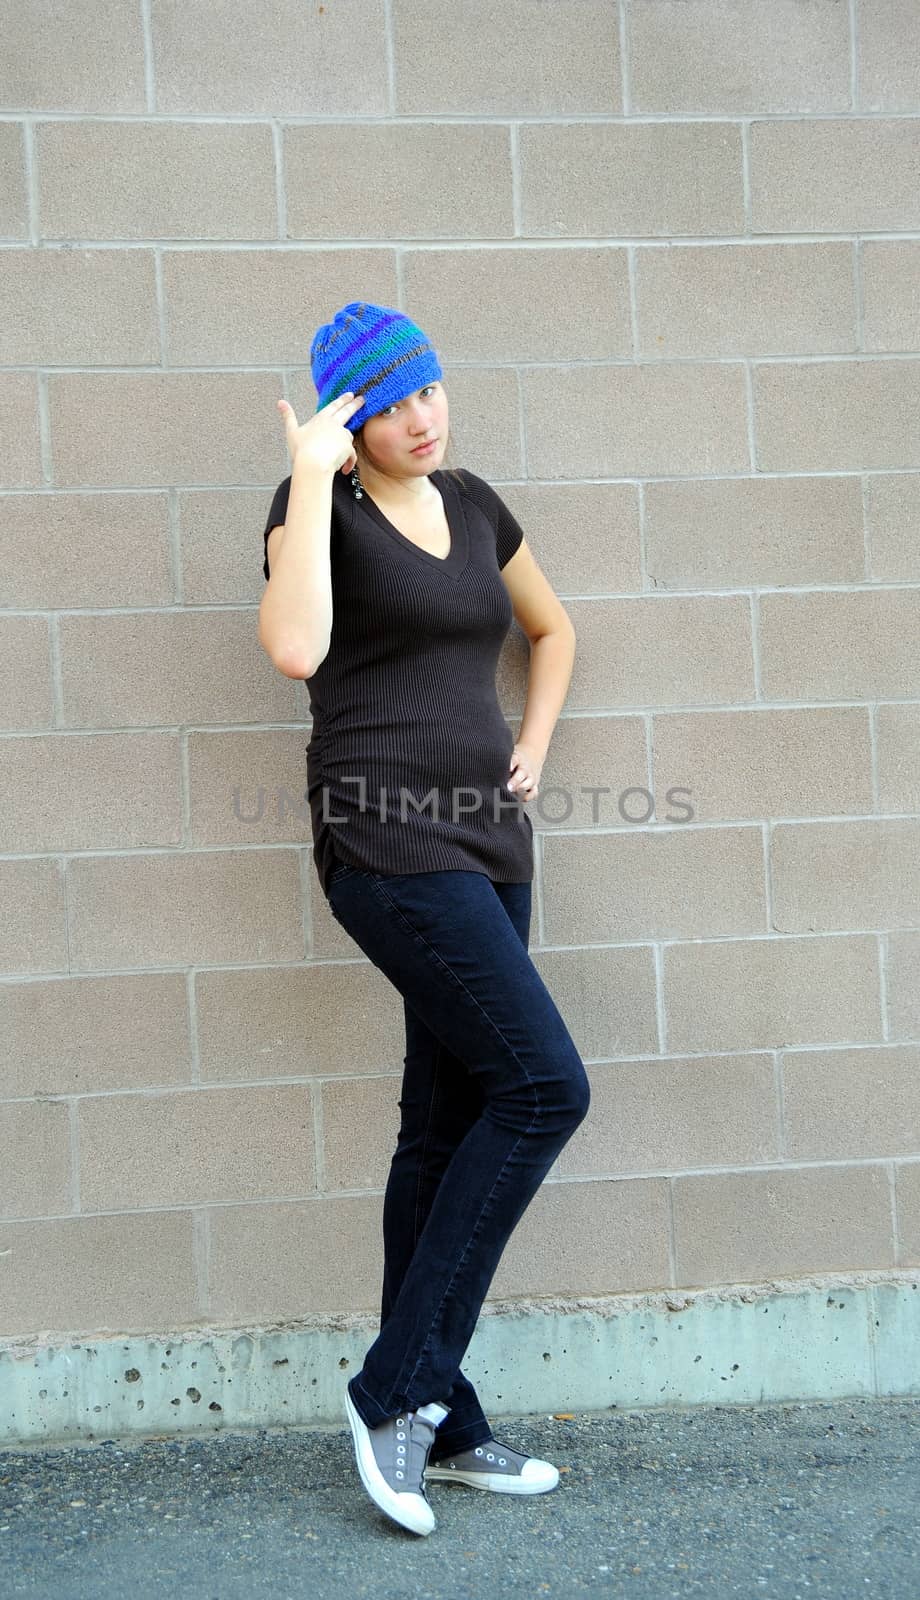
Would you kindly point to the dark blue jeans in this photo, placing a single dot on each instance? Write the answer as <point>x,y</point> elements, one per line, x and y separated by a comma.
<point>493,1088</point>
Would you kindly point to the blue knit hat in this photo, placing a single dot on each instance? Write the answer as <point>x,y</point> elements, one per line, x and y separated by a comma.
<point>371,350</point>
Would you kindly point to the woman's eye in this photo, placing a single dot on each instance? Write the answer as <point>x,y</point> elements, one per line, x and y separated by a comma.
<point>429,387</point>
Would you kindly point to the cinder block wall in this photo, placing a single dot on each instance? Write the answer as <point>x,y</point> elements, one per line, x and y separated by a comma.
<point>670,253</point>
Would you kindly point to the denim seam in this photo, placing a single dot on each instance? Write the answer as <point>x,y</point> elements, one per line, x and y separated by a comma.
<point>421,1165</point>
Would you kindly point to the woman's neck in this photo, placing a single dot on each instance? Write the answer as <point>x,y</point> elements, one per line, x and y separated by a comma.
<point>409,492</point>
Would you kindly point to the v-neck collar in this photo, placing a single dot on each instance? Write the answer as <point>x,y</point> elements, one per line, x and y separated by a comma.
<point>456,559</point>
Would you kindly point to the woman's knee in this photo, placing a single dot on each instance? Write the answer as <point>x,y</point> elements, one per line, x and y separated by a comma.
<point>580,1091</point>
<point>571,1091</point>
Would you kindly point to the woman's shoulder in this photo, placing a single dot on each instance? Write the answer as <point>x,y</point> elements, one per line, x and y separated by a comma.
<point>342,494</point>
<point>479,490</point>
<point>473,486</point>
<point>508,532</point>
<point>464,477</point>
<point>342,511</point>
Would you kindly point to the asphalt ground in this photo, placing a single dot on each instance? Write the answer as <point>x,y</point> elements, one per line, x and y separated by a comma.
<point>785,1501</point>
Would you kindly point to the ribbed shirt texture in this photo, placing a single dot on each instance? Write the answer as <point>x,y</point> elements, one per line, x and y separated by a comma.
<point>409,754</point>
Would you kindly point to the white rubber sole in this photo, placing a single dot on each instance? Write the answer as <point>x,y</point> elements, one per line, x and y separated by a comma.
<point>498,1482</point>
<point>411,1511</point>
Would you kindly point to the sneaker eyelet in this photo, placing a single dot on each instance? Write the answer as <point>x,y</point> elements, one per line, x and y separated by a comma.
<point>400,1422</point>
<point>502,1462</point>
<point>490,1456</point>
<point>479,1450</point>
<point>399,1474</point>
<point>400,1436</point>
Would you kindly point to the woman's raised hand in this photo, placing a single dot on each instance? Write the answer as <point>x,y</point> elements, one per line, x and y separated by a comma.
<point>325,442</point>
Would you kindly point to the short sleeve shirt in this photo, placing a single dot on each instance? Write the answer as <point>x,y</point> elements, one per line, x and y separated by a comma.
<point>409,753</point>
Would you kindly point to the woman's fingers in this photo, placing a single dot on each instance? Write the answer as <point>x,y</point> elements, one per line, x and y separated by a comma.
<point>341,403</point>
<point>321,436</point>
<point>344,401</point>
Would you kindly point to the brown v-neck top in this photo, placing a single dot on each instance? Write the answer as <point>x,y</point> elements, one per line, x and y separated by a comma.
<point>409,754</point>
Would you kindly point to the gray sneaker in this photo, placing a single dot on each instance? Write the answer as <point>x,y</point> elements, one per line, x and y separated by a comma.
<point>495,1466</point>
<point>392,1459</point>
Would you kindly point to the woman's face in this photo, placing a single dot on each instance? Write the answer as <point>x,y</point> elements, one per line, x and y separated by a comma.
<point>391,435</point>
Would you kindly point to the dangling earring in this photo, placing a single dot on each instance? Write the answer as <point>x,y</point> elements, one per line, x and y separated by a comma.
<point>356,484</point>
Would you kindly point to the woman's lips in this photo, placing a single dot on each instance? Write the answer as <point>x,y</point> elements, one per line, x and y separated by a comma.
<point>423,449</point>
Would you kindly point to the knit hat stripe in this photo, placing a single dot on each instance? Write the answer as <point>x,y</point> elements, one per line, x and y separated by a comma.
<point>351,349</point>
<point>380,373</point>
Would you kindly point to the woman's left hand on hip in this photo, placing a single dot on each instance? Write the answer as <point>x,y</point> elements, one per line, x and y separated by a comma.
<point>527,767</point>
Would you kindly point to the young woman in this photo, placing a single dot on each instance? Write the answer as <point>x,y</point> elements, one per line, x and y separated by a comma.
<point>392,582</point>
